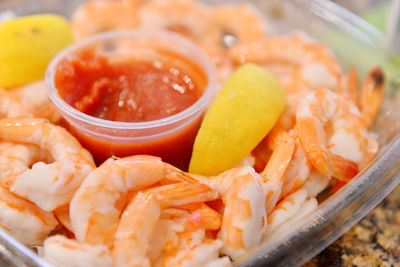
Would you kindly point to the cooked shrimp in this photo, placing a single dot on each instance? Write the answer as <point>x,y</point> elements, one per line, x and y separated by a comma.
<point>62,215</point>
<point>204,254</point>
<point>11,106</point>
<point>297,171</point>
<point>97,16</point>
<point>16,159</point>
<point>273,174</point>
<point>62,251</point>
<point>244,213</point>
<point>23,220</point>
<point>315,62</point>
<point>242,21</point>
<point>285,209</point>
<point>314,113</point>
<point>349,87</point>
<point>140,218</point>
<point>186,17</point>
<point>316,183</point>
<point>48,185</point>
<point>34,97</point>
<point>371,96</point>
<point>99,202</point>
<point>305,208</point>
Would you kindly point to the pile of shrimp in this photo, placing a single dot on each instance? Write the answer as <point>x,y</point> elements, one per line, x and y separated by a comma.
<point>141,211</point>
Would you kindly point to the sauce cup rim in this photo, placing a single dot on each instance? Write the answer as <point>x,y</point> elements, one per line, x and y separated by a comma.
<point>202,59</point>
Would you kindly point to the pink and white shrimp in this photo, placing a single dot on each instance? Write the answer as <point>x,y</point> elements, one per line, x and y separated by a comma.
<point>48,185</point>
<point>189,18</point>
<point>312,62</point>
<point>61,251</point>
<point>97,16</point>
<point>244,213</point>
<point>139,219</point>
<point>98,203</point>
<point>23,220</point>
<point>323,109</point>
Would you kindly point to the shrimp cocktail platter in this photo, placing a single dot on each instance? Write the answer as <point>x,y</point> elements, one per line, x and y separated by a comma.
<point>188,133</point>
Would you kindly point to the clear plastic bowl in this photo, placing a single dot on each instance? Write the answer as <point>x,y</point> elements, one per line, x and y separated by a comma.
<point>162,137</point>
<point>353,42</point>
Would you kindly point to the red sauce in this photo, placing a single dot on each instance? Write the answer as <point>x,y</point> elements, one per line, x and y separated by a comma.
<point>131,91</point>
<point>127,91</point>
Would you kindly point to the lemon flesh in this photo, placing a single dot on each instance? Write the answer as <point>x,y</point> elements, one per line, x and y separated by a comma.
<point>27,45</point>
<point>247,107</point>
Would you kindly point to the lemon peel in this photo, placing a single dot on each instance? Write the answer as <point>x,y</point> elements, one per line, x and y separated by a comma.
<point>27,44</point>
<point>247,107</point>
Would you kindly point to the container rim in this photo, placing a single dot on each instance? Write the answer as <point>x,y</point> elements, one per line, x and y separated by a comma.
<point>203,61</point>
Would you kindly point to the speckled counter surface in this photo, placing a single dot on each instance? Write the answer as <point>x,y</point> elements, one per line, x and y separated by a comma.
<point>374,241</point>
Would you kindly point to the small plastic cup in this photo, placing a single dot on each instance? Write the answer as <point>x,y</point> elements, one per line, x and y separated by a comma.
<point>170,138</point>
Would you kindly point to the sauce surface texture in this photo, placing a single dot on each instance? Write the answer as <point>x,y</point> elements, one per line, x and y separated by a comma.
<point>124,90</point>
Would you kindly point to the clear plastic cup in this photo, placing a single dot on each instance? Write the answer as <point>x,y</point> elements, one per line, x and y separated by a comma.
<point>172,137</point>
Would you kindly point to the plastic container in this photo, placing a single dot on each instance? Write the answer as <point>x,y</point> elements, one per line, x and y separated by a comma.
<point>354,42</point>
<point>162,137</point>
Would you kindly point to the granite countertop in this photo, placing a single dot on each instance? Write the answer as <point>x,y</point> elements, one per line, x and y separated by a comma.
<point>374,241</point>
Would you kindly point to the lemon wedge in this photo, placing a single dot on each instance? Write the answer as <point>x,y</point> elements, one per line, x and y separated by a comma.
<point>247,107</point>
<point>27,44</point>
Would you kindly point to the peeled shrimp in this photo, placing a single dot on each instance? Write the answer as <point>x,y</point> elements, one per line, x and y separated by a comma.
<point>240,20</point>
<point>11,106</point>
<point>297,171</point>
<point>244,213</point>
<point>48,185</point>
<point>204,254</point>
<point>99,202</point>
<point>97,16</point>
<point>274,173</point>
<point>33,96</point>
<point>316,65</point>
<point>23,220</point>
<point>16,159</point>
<point>187,17</point>
<point>285,209</point>
<point>314,113</point>
<point>140,219</point>
<point>62,251</point>
<point>371,96</point>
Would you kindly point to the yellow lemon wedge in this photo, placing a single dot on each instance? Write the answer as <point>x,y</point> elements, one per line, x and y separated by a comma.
<point>247,107</point>
<point>27,44</point>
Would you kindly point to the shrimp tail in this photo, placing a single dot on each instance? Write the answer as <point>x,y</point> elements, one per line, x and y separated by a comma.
<point>343,169</point>
<point>372,93</point>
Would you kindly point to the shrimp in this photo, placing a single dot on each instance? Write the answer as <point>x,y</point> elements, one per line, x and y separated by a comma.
<point>99,202</point>
<point>48,185</point>
<point>314,113</point>
<point>285,209</point>
<point>186,17</point>
<point>297,171</point>
<point>62,251</point>
<point>23,220</point>
<point>242,21</point>
<point>204,254</point>
<point>349,87</point>
<point>371,96</point>
<point>274,173</point>
<point>244,213</point>
<point>11,106</point>
<point>316,183</point>
<point>33,96</point>
<point>140,218</point>
<point>97,16</point>
<point>316,65</point>
<point>62,215</point>
<point>16,159</point>
<point>304,209</point>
